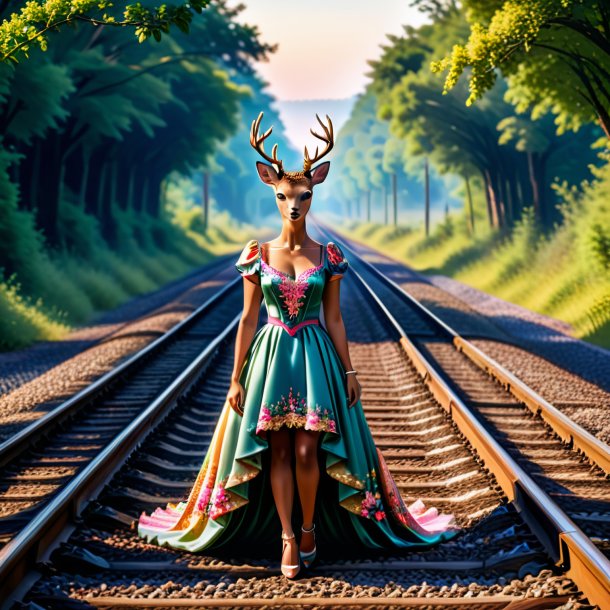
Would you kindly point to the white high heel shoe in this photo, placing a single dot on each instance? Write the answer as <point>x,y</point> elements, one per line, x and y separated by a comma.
<point>308,557</point>
<point>286,568</point>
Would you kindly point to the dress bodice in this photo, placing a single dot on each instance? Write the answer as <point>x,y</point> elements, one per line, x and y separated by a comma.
<point>292,300</point>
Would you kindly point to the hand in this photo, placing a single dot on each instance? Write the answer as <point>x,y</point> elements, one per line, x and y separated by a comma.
<point>353,390</point>
<point>235,396</point>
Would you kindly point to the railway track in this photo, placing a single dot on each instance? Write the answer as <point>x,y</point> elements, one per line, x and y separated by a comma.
<point>436,449</point>
<point>566,461</point>
<point>45,461</point>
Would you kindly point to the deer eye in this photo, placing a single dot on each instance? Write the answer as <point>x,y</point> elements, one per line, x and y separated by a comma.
<point>281,196</point>
<point>306,195</point>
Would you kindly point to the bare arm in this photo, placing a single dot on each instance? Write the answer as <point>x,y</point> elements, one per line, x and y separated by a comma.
<point>336,331</point>
<point>334,322</point>
<point>246,330</point>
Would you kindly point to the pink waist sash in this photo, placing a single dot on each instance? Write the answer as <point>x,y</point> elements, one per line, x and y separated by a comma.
<point>290,330</point>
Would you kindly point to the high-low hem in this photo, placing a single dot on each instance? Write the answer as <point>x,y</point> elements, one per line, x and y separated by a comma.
<point>293,378</point>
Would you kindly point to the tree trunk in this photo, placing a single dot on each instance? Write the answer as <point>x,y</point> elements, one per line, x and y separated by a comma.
<point>427,196</point>
<point>395,198</point>
<point>130,188</point>
<point>113,182</point>
<point>144,197</point>
<point>492,206</point>
<point>47,201</point>
<point>206,200</point>
<point>100,193</point>
<point>501,198</point>
<point>470,206</point>
<point>368,205</point>
<point>385,202</point>
<point>508,188</point>
<point>35,177</point>
<point>534,184</point>
<point>163,197</point>
<point>84,177</point>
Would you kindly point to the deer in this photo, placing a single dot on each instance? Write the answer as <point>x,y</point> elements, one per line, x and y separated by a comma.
<point>275,176</point>
<point>293,189</point>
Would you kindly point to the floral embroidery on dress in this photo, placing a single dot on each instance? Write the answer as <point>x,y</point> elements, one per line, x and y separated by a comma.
<point>202,503</point>
<point>372,506</point>
<point>335,255</point>
<point>292,292</point>
<point>397,506</point>
<point>220,502</point>
<point>291,289</point>
<point>215,500</point>
<point>337,263</point>
<point>293,411</point>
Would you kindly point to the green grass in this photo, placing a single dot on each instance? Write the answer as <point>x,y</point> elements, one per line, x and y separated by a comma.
<point>67,287</point>
<point>565,275</point>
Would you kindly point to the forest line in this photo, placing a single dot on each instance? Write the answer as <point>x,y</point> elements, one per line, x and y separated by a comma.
<point>121,147</point>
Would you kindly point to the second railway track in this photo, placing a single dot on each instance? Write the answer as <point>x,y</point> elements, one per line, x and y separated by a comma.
<point>43,458</point>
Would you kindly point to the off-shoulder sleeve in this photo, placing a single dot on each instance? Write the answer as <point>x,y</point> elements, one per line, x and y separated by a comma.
<point>248,263</point>
<point>336,263</point>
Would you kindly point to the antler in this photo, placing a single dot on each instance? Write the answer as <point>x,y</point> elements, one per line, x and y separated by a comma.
<point>328,139</point>
<point>256,140</point>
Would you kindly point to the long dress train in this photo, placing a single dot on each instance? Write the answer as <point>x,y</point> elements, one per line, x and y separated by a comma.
<point>292,376</point>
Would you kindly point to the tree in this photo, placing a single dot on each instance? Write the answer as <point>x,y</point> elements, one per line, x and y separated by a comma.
<point>479,139</point>
<point>113,118</point>
<point>556,56</point>
<point>32,23</point>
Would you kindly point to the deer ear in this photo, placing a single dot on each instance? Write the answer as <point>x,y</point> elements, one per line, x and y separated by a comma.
<point>267,173</point>
<point>319,173</point>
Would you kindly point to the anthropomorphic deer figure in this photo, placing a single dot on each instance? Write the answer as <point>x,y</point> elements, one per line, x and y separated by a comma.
<point>295,255</point>
<point>294,188</point>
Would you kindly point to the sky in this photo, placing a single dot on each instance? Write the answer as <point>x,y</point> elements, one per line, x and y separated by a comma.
<point>324,44</point>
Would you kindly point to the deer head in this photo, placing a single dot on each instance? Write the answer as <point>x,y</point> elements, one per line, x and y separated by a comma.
<point>307,177</point>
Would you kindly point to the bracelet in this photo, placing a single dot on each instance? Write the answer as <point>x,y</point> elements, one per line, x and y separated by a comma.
<point>354,372</point>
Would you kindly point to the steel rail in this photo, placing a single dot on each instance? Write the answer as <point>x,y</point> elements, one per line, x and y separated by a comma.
<point>497,601</point>
<point>564,541</point>
<point>23,439</point>
<point>568,430</point>
<point>57,519</point>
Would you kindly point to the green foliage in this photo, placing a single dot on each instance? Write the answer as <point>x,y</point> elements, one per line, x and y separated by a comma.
<point>556,55</point>
<point>600,244</point>
<point>516,155</point>
<point>32,23</point>
<point>87,276</point>
<point>97,123</point>
<point>564,274</point>
<point>22,322</point>
<point>443,231</point>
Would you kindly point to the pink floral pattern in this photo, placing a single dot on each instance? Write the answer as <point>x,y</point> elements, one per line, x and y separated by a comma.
<point>220,502</point>
<point>293,411</point>
<point>204,499</point>
<point>372,507</point>
<point>335,256</point>
<point>292,290</point>
<point>215,500</point>
<point>292,293</point>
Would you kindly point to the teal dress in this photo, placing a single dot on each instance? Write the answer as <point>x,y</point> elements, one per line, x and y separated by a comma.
<point>292,376</point>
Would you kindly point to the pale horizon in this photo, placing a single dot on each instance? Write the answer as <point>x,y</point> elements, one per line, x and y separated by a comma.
<point>324,46</point>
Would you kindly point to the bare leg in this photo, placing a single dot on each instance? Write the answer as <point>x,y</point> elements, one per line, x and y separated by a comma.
<point>308,477</point>
<point>282,486</point>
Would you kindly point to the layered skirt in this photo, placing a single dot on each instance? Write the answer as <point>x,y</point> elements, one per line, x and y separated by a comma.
<point>295,380</point>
